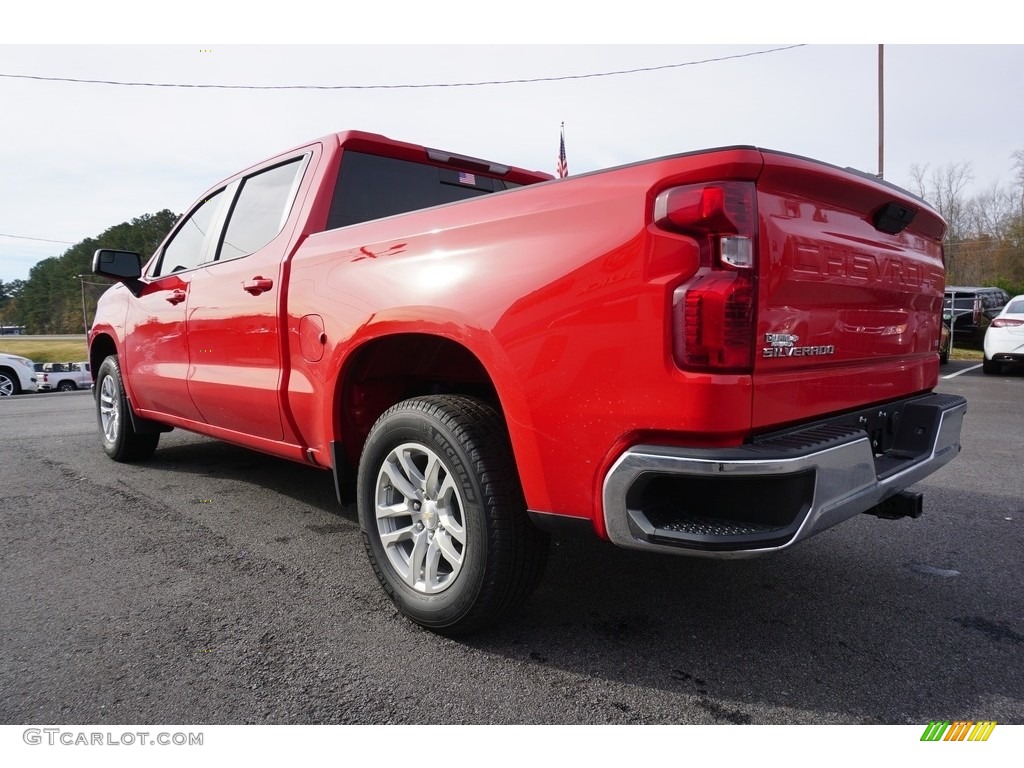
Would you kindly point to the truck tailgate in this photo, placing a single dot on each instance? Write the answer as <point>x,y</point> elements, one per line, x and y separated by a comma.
<point>850,297</point>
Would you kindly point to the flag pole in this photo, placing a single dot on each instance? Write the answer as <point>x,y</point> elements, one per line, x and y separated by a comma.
<point>563,165</point>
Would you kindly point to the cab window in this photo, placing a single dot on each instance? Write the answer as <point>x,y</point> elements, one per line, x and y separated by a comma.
<point>260,211</point>
<point>186,249</point>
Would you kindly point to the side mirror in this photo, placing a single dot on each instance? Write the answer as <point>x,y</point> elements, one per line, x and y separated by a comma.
<point>120,265</point>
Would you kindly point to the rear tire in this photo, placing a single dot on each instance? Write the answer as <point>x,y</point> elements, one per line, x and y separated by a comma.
<point>120,440</point>
<point>66,386</point>
<point>991,367</point>
<point>443,516</point>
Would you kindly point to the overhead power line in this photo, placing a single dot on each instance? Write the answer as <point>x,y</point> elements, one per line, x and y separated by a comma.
<point>40,239</point>
<point>471,84</point>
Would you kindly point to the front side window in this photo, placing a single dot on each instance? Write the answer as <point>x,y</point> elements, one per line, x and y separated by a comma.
<point>185,251</point>
<point>260,211</point>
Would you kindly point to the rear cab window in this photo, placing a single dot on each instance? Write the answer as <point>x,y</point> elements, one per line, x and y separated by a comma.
<point>373,187</point>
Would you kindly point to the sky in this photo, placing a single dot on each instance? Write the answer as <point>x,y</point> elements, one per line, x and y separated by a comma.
<point>77,158</point>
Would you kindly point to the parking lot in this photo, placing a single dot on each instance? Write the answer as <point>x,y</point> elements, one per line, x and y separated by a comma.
<point>217,585</point>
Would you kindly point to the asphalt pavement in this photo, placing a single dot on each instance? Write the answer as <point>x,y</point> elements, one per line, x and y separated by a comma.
<point>217,585</point>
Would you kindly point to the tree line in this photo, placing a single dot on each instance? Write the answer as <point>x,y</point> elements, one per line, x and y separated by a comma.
<point>985,241</point>
<point>52,299</point>
<point>984,246</point>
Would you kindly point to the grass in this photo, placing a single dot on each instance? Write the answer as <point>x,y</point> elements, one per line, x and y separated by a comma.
<point>960,353</point>
<point>45,351</point>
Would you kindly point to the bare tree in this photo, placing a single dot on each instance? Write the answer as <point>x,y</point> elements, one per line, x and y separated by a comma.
<point>991,212</point>
<point>945,189</point>
<point>1018,167</point>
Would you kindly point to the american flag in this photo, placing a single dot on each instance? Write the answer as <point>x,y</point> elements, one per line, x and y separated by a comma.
<point>563,166</point>
<point>467,178</point>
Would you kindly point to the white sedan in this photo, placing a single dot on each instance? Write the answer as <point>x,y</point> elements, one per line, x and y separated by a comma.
<point>1004,339</point>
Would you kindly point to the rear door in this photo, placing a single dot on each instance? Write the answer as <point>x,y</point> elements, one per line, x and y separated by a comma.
<point>851,291</point>
<point>236,300</point>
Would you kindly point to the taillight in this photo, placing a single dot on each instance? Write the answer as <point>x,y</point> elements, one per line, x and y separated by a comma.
<point>1006,322</point>
<point>713,312</point>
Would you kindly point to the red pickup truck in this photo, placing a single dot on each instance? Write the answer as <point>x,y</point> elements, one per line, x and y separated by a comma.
<point>717,353</point>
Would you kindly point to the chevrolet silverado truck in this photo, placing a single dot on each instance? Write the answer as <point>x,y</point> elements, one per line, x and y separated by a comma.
<point>717,354</point>
<point>64,377</point>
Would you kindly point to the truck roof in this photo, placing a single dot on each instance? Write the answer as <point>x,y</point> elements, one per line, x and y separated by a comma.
<point>375,143</point>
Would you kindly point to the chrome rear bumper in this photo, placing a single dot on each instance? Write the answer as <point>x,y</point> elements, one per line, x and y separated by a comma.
<point>768,495</point>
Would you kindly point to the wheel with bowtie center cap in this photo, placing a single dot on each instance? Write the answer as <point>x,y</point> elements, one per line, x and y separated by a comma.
<point>442,514</point>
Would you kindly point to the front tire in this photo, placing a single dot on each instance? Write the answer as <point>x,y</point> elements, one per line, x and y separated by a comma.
<point>9,384</point>
<point>120,440</point>
<point>443,516</point>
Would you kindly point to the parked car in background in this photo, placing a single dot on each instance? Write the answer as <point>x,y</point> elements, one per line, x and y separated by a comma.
<point>1004,339</point>
<point>971,309</point>
<point>63,377</point>
<point>17,375</point>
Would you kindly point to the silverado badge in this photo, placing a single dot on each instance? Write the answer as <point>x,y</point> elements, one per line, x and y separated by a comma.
<point>784,345</point>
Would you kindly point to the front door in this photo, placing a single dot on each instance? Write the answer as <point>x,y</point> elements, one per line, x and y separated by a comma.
<point>156,355</point>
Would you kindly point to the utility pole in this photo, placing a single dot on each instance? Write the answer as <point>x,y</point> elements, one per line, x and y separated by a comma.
<point>85,319</point>
<point>881,113</point>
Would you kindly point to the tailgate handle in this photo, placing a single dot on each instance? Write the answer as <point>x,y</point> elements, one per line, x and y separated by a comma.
<point>258,285</point>
<point>177,296</point>
<point>892,218</point>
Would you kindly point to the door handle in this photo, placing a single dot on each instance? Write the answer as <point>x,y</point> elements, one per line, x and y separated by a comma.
<point>177,296</point>
<point>258,285</point>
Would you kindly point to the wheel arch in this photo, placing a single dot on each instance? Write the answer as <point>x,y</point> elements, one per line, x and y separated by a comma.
<point>389,368</point>
<point>101,347</point>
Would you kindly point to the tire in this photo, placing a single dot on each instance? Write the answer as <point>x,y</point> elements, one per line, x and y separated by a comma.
<point>9,384</point>
<point>66,386</point>
<point>443,516</point>
<point>120,440</point>
<point>991,367</point>
<point>944,357</point>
